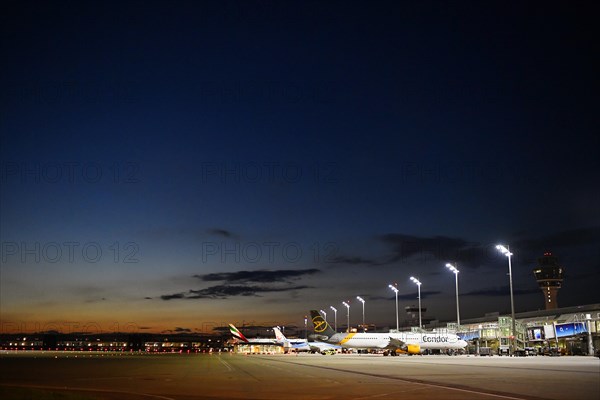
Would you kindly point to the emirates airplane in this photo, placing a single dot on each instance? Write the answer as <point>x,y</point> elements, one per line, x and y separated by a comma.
<point>392,343</point>
<point>239,336</point>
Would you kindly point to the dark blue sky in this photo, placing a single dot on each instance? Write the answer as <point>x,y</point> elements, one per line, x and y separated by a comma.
<point>341,145</point>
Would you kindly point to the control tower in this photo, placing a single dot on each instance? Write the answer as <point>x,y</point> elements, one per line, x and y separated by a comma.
<point>549,276</point>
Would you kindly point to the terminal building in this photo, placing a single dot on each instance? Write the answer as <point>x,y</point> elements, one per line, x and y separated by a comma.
<point>566,331</point>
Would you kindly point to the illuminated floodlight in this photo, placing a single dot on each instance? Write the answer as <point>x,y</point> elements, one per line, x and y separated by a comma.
<point>415,280</point>
<point>452,268</point>
<point>455,270</point>
<point>348,313</point>
<point>363,314</point>
<point>395,289</point>
<point>334,317</point>
<point>506,251</point>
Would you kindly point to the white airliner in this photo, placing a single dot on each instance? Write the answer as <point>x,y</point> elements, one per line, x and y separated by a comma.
<point>241,338</point>
<point>404,342</point>
<point>303,345</point>
<point>290,344</point>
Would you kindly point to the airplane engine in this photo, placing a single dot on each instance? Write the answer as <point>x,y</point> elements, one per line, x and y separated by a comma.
<point>406,349</point>
<point>413,349</point>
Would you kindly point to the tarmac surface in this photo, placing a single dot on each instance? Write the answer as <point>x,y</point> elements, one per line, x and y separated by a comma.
<point>116,376</point>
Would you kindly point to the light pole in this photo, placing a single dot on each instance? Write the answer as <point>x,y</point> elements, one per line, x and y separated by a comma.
<point>348,314</point>
<point>415,280</point>
<point>394,287</point>
<point>324,315</point>
<point>363,304</point>
<point>453,269</point>
<point>507,253</point>
<point>305,327</point>
<point>334,317</point>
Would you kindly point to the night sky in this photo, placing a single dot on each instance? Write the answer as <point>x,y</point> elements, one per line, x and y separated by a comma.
<point>175,166</point>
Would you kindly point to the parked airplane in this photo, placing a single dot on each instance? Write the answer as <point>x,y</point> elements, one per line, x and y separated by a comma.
<point>290,344</point>
<point>404,342</point>
<point>303,345</point>
<point>240,337</point>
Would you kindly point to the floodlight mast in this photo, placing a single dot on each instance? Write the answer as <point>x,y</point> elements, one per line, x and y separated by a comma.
<point>348,313</point>
<point>363,309</point>
<point>394,287</point>
<point>418,283</point>
<point>334,317</point>
<point>455,270</point>
<point>506,251</point>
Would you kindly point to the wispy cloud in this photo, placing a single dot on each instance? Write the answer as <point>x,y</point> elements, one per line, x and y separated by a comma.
<point>223,233</point>
<point>439,248</point>
<point>244,283</point>
<point>442,248</point>
<point>95,300</point>
<point>354,260</point>
<point>226,291</point>
<point>264,276</point>
<point>187,232</point>
<point>403,247</point>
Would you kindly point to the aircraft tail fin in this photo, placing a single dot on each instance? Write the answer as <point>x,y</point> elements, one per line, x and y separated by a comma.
<point>321,326</point>
<point>237,334</point>
<point>279,336</point>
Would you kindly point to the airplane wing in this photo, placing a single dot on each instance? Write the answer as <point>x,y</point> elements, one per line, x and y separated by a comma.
<point>321,346</point>
<point>397,344</point>
<point>299,345</point>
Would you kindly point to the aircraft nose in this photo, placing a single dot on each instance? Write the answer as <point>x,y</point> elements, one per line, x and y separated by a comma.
<point>463,343</point>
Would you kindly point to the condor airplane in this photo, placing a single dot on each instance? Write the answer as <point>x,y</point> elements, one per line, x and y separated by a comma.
<point>405,342</point>
<point>303,345</point>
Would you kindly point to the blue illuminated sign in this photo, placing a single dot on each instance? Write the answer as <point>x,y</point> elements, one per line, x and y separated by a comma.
<point>535,334</point>
<point>571,329</point>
